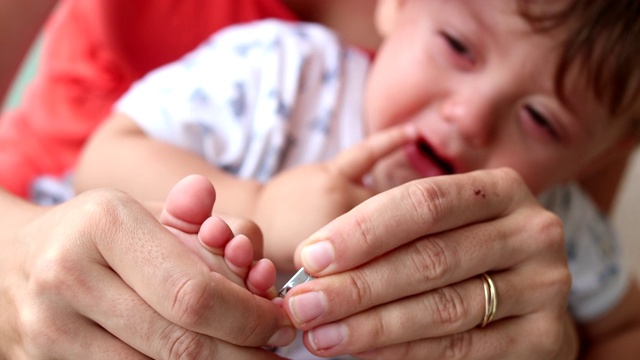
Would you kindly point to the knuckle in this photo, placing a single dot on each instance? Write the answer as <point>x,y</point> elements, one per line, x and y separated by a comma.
<point>107,213</point>
<point>426,195</point>
<point>35,332</point>
<point>549,341</point>
<point>449,307</point>
<point>559,284</point>
<point>507,178</point>
<point>192,304</point>
<point>510,177</point>
<point>458,346</point>
<point>431,259</point>
<point>40,329</point>
<point>179,343</point>
<point>56,275</point>
<point>100,214</point>
<point>364,231</point>
<point>105,204</point>
<point>376,333</point>
<point>191,299</point>
<point>550,230</point>
<point>361,289</point>
<point>550,242</point>
<point>252,330</point>
<point>404,351</point>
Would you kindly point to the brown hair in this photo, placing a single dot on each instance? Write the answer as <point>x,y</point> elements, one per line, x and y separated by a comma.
<point>603,38</point>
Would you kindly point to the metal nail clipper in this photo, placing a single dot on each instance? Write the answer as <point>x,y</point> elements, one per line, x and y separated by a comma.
<point>300,277</point>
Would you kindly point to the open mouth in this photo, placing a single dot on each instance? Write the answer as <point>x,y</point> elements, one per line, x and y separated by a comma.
<point>426,150</point>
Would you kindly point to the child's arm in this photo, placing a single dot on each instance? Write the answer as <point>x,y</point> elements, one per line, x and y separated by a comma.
<point>121,155</point>
<point>617,334</point>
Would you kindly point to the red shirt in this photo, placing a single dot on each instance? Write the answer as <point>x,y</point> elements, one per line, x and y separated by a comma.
<point>91,53</point>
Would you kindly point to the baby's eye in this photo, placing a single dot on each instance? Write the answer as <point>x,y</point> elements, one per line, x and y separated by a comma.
<point>541,121</point>
<point>456,45</point>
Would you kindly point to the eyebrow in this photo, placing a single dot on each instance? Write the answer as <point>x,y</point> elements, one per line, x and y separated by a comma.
<point>484,22</point>
<point>469,7</point>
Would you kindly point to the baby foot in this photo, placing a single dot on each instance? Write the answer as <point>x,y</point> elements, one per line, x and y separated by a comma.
<point>187,214</point>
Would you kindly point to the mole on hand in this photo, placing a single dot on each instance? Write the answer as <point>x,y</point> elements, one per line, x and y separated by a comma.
<point>479,192</point>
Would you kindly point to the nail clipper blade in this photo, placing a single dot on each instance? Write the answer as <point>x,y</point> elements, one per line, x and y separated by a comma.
<point>300,277</point>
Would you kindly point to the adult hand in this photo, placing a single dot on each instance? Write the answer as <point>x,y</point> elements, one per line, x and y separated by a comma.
<point>99,275</point>
<point>399,274</point>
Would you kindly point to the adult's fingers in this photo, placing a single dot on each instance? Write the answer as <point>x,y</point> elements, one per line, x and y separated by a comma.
<point>359,159</point>
<point>439,260</point>
<point>146,330</point>
<point>415,209</point>
<point>400,299</point>
<point>172,280</point>
<point>445,311</point>
<point>501,340</point>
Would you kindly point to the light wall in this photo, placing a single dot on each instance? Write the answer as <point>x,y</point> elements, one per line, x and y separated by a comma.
<point>626,215</point>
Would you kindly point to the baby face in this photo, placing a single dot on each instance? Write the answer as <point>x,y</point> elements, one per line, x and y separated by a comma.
<point>478,84</point>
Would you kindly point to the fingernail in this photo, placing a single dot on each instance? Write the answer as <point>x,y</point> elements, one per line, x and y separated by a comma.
<point>272,293</point>
<point>316,257</point>
<point>308,306</point>
<point>282,337</point>
<point>327,336</point>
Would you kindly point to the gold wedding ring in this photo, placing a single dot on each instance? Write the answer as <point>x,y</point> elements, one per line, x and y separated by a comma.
<point>490,299</point>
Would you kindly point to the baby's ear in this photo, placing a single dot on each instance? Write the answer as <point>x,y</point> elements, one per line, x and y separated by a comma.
<point>386,15</point>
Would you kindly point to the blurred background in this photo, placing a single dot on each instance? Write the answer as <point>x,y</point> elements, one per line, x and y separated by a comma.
<point>626,216</point>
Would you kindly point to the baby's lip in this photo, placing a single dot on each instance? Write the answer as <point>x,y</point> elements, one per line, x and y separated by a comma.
<point>427,150</point>
<point>425,161</point>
